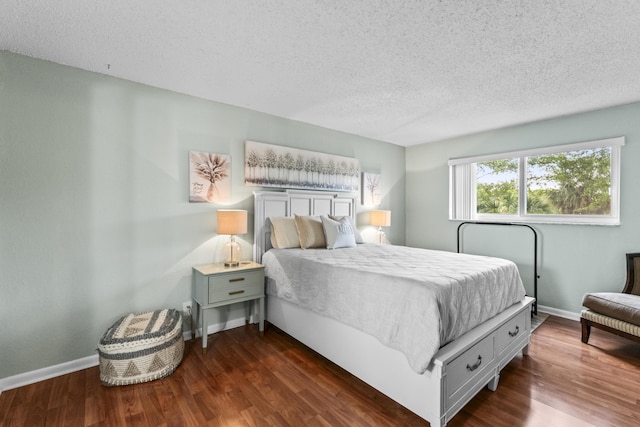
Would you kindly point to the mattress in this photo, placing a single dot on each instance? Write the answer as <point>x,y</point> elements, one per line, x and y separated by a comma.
<point>411,299</point>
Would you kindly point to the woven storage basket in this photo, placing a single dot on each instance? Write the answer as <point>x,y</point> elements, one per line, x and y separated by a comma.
<point>141,347</point>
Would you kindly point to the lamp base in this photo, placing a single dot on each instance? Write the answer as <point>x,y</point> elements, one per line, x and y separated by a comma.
<point>232,253</point>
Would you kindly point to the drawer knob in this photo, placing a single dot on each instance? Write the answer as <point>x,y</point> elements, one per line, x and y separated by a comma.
<point>238,279</point>
<point>475,366</point>
<point>236,292</point>
<point>514,333</point>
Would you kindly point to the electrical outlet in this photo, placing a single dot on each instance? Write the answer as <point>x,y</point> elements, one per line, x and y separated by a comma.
<point>186,308</point>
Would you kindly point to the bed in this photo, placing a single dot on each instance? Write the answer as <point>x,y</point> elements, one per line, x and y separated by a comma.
<point>454,359</point>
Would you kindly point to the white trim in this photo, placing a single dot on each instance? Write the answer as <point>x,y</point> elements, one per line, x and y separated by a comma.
<point>548,219</point>
<point>617,141</point>
<point>560,313</point>
<point>218,327</point>
<point>49,372</point>
<point>38,375</point>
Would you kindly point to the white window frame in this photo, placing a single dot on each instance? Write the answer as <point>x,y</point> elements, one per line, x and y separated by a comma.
<point>462,186</point>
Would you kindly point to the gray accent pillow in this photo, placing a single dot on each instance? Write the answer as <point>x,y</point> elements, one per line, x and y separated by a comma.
<point>338,234</point>
<point>356,232</point>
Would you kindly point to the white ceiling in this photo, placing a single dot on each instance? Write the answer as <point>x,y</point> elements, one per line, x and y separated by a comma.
<point>401,71</point>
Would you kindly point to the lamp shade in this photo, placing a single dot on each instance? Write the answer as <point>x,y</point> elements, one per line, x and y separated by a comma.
<point>232,221</point>
<point>381,218</point>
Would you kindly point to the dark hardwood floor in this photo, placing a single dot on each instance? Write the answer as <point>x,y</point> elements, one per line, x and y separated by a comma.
<point>245,380</point>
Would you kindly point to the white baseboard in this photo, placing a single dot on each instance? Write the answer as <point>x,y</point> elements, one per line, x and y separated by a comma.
<point>48,372</point>
<point>212,329</point>
<point>38,375</point>
<point>560,313</point>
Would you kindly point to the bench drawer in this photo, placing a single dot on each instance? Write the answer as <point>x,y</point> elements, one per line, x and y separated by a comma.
<point>511,331</point>
<point>469,365</point>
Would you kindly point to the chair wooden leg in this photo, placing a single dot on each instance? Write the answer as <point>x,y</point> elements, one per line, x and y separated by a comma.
<point>586,329</point>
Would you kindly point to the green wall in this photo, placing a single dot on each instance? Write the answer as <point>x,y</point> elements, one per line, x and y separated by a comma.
<point>95,220</point>
<point>573,259</point>
<point>94,214</point>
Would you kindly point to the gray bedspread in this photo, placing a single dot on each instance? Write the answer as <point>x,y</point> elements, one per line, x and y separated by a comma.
<point>413,300</point>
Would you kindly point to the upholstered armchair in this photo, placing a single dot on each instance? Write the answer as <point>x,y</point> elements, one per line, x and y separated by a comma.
<point>615,312</point>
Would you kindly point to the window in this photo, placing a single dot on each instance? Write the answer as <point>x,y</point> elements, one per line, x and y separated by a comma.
<point>575,183</point>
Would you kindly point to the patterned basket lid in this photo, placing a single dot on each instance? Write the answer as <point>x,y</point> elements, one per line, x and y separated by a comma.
<point>135,327</point>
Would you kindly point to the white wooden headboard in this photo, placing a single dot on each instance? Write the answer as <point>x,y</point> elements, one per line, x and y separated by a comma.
<point>288,203</point>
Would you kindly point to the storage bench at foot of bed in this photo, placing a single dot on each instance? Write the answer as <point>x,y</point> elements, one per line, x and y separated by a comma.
<point>466,365</point>
<point>439,393</point>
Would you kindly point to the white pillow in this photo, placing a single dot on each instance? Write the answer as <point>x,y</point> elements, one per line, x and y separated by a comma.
<point>284,234</point>
<point>339,234</point>
<point>356,232</point>
<point>310,232</point>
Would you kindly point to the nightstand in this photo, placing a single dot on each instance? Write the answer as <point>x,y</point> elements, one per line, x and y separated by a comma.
<point>214,285</point>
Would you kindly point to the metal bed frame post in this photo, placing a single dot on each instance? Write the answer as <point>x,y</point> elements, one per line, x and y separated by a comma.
<point>535,253</point>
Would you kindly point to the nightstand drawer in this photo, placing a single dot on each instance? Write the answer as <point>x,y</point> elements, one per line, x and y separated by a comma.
<point>238,285</point>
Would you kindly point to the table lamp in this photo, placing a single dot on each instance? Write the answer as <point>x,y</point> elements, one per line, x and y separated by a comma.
<point>381,219</point>
<point>232,222</point>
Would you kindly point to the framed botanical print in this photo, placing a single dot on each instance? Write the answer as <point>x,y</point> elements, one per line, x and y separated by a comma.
<point>209,177</point>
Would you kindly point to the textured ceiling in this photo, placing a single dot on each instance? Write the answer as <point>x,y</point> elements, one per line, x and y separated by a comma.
<point>401,71</point>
